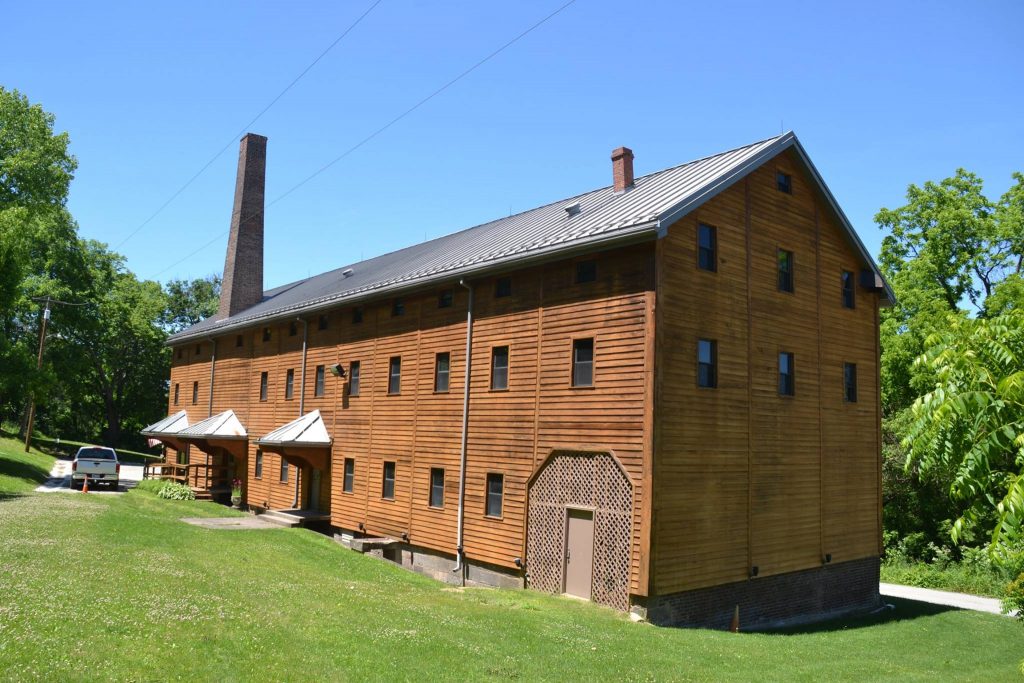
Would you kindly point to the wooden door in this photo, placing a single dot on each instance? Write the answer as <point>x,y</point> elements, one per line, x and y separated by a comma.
<point>313,499</point>
<point>579,552</point>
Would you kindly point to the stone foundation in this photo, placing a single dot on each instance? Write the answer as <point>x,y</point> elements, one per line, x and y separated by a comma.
<point>439,565</point>
<point>811,595</point>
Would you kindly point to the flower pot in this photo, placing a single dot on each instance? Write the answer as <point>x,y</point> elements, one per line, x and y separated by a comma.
<point>236,502</point>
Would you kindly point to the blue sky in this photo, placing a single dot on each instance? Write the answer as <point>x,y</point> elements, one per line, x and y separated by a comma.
<point>880,94</point>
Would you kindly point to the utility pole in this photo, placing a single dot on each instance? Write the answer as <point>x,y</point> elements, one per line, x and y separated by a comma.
<point>39,366</point>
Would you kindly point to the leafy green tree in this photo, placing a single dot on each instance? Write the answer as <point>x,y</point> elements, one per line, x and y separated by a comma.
<point>970,427</point>
<point>190,301</point>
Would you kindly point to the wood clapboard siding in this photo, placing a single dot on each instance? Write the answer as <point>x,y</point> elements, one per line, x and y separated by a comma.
<point>744,477</point>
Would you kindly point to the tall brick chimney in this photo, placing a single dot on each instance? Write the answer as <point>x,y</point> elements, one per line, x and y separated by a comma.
<point>242,286</point>
<point>622,168</point>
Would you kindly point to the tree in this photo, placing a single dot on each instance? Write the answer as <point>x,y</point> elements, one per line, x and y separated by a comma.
<point>970,427</point>
<point>190,301</point>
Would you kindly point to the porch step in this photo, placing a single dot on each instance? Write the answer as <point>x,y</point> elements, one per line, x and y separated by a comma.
<point>364,545</point>
<point>292,518</point>
<point>201,494</point>
<point>275,517</point>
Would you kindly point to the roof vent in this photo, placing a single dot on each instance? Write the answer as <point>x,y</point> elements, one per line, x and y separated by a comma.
<point>572,209</point>
<point>347,272</point>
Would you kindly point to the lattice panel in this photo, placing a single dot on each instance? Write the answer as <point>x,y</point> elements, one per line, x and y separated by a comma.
<point>585,480</point>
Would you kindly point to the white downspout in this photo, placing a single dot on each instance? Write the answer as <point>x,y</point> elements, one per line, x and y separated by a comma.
<point>302,397</point>
<point>465,428</point>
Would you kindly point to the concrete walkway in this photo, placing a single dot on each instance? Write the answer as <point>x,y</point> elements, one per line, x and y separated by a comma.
<point>233,523</point>
<point>60,479</point>
<point>934,597</point>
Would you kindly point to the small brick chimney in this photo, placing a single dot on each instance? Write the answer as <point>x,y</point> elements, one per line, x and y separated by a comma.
<point>242,286</point>
<point>622,168</point>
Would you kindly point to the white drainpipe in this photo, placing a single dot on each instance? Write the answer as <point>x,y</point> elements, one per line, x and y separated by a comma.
<point>465,429</point>
<point>302,397</point>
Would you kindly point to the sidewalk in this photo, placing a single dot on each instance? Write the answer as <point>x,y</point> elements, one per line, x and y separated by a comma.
<point>960,600</point>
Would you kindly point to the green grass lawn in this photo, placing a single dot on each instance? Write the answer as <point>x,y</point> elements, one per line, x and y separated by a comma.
<point>983,581</point>
<point>21,471</point>
<point>116,587</point>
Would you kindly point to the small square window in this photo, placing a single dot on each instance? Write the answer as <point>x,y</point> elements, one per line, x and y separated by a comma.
<point>264,378</point>
<point>293,328</point>
<point>266,334</point>
<point>784,182</point>
<point>499,367</point>
<point>353,378</point>
<point>495,493</point>
<point>850,382</point>
<point>503,287</point>
<point>707,247</point>
<point>195,393</point>
<point>318,386</point>
<point>349,478</point>
<point>707,363</point>
<point>284,469</point>
<point>259,464</point>
<point>176,387</point>
<point>583,362</point>
<point>442,372</point>
<point>357,315</point>
<point>785,268</point>
<point>787,374</point>
<point>289,383</point>
<point>586,271</point>
<point>239,341</point>
<point>321,323</point>
<point>179,353</point>
<point>387,489</point>
<point>436,487</point>
<point>445,298</point>
<point>199,349</point>
<point>397,308</point>
<point>395,375</point>
<point>848,283</point>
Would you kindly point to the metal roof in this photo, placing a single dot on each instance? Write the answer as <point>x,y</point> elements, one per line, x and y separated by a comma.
<point>306,431</point>
<point>221,426</point>
<point>169,426</point>
<point>604,218</point>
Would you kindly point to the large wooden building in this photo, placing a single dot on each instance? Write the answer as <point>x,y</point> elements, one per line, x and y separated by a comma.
<point>670,404</point>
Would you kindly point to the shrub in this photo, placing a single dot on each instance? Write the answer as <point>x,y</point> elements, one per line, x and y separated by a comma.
<point>172,490</point>
<point>1014,600</point>
<point>151,485</point>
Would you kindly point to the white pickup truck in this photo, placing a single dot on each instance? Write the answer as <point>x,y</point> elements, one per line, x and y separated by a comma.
<point>99,464</point>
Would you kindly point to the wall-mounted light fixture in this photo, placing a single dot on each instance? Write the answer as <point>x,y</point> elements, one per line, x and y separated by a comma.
<point>518,562</point>
<point>753,571</point>
<point>338,370</point>
<point>827,558</point>
<point>405,535</point>
<point>361,527</point>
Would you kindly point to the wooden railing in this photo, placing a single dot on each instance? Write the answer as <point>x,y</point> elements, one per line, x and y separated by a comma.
<point>202,476</point>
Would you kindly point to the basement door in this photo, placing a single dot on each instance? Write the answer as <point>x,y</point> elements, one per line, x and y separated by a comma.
<point>579,552</point>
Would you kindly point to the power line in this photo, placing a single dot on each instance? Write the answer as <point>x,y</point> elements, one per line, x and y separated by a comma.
<point>247,126</point>
<point>380,130</point>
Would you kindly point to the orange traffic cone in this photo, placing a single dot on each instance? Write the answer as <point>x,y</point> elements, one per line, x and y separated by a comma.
<point>85,485</point>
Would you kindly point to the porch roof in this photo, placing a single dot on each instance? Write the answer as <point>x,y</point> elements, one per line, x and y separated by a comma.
<point>219,427</point>
<point>307,431</point>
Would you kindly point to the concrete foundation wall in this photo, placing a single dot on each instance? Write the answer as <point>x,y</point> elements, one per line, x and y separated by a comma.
<point>782,599</point>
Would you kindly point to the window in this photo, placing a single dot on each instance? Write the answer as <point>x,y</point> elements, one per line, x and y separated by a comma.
<point>353,378</point>
<point>347,483</point>
<point>318,387</point>
<point>707,363</point>
<point>495,492</point>
<point>707,247</point>
<point>284,470</point>
<point>195,393</point>
<point>436,487</point>
<point>259,464</point>
<point>503,287</point>
<point>289,383</point>
<point>357,315</point>
<point>784,182</point>
<point>445,298</point>
<point>787,382</point>
<point>321,323</point>
<point>442,371</point>
<point>238,340</point>
<point>387,489</point>
<point>499,367</point>
<point>179,353</point>
<point>176,387</point>
<point>266,334</point>
<point>395,375</point>
<point>264,378</point>
<point>785,261</point>
<point>850,382</point>
<point>293,328</point>
<point>586,271</point>
<point>199,349</point>
<point>397,308</point>
<point>848,289</point>
<point>583,362</point>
